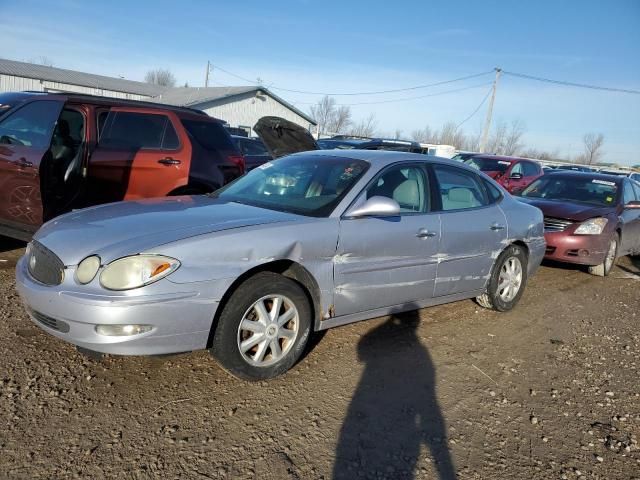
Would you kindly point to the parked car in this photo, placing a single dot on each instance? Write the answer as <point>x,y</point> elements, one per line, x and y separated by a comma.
<point>364,143</point>
<point>253,151</point>
<point>575,168</point>
<point>461,156</point>
<point>301,244</point>
<point>623,173</point>
<point>513,173</point>
<point>439,150</point>
<point>590,218</point>
<point>59,152</point>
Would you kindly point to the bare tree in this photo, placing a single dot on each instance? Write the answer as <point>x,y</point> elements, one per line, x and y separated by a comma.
<point>42,60</point>
<point>365,127</point>
<point>341,120</point>
<point>425,135</point>
<point>160,76</point>
<point>511,144</point>
<point>397,135</point>
<point>592,147</point>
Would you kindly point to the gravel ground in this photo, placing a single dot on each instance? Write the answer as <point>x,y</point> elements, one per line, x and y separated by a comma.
<point>549,390</point>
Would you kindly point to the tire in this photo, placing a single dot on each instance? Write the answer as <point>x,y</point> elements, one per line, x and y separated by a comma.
<point>508,264</point>
<point>604,269</point>
<point>241,326</point>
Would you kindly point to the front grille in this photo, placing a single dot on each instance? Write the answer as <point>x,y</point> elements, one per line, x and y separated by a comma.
<point>44,265</point>
<point>47,321</point>
<point>556,224</point>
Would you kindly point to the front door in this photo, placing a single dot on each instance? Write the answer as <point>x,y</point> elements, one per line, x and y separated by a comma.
<point>631,220</point>
<point>25,137</point>
<point>474,231</point>
<point>382,262</point>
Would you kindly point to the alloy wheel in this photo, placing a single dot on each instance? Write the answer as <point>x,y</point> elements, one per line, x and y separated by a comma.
<point>510,279</point>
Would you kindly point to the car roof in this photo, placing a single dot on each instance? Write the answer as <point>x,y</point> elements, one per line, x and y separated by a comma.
<point>504,158</point>
<point>381,158</point>
<point>587,175</point>
<point>111,101</point>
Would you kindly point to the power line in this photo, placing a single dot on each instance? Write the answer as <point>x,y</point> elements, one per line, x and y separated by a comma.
<point>571,84</point>
<point>378,92</point>
<point>476,110</point>
<point>404,99</point>
<point>395,90</point>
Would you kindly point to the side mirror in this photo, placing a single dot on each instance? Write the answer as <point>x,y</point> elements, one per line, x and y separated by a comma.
<point>635,205</point>
<point>516,176</point>
<point>375,207</point>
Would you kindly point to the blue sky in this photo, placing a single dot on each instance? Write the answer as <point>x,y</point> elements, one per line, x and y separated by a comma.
<point>364,46</point>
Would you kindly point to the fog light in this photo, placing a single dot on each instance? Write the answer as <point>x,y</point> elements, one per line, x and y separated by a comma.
<point>583,253</point>
<point>122,330</point>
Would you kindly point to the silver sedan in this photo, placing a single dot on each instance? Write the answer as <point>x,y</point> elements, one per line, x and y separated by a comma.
<point>308,242</point>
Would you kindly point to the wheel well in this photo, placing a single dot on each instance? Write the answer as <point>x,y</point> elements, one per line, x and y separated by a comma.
<point>522,244</point>
<point>286,268</point>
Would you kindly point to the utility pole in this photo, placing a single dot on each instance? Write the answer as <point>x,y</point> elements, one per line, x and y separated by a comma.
<point>206,77</point>
<point>487,122</point>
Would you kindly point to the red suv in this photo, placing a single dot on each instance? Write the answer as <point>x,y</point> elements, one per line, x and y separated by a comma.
<point>59,152</point>
<point>513,173</point>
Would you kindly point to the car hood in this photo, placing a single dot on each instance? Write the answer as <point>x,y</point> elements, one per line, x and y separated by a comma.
<point>570,211</point>
<point>282,137</point>
<point>128,228</point>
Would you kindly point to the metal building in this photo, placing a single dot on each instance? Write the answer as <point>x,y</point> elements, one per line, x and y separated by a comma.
<point>238,106</point>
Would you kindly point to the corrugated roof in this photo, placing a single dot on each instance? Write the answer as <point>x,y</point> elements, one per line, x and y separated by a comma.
<point>53,74</point>
<point>196,96</point>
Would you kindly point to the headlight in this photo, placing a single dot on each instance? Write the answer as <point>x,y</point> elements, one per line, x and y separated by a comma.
<point>594,226</point>
<point>87,269</point>
<point>136,271</point>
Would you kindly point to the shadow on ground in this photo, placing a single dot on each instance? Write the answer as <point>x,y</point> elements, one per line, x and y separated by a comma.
<point>394,410</point>
<point>7,244</point>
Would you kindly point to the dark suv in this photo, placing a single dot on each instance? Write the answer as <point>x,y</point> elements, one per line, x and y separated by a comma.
<point>59,152</point>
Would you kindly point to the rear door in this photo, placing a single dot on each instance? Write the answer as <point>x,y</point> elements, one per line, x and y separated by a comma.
<point>140,154</point>
<point>389,261</point>
<point>25,138</point>
<point>474,230</point>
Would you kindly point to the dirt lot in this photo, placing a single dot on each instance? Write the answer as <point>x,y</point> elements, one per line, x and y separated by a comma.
<point>550,390</point>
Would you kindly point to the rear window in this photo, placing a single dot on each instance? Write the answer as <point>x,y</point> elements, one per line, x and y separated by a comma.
<point>488,164</point>
<point>209,135</point>
<point>253,147</point>
<point>592,191</point>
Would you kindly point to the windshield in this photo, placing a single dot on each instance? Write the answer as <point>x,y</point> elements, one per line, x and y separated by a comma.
<point>304,184</point>
<point>488,164</point>
<point>592,191</point>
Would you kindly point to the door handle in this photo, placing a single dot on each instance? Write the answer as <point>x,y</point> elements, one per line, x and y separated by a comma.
<point>497,227</point>
<point>23,162</point>
<point>169,161</point>
<point>424,233</point>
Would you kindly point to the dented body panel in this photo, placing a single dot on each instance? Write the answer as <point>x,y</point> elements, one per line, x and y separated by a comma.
<point>352,268</point>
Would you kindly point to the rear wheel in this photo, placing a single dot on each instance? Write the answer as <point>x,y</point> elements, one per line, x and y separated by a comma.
<point>606,266</point>
<point>508,280</point>
<point>263,328</point>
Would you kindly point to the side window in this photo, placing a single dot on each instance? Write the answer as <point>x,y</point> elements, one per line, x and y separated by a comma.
<point>407,185</point>
<point>130,130</point>
<point>517,168</point>
<point>170,140</point>
<point>31,125</point>
<point>494,192</point>
<point>459,189</point>
<point>101,119</point>
<point>530,169</point>
<point>636,188</point>
<point>629,194</point>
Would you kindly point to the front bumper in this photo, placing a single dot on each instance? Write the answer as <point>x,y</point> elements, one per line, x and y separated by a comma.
<point>580,249</point>
<point>181,314</point>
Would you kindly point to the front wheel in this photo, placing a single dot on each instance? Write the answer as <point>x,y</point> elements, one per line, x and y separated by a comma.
<point>604,269</point>
<point>263,328</point>
<point>508,280</point>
